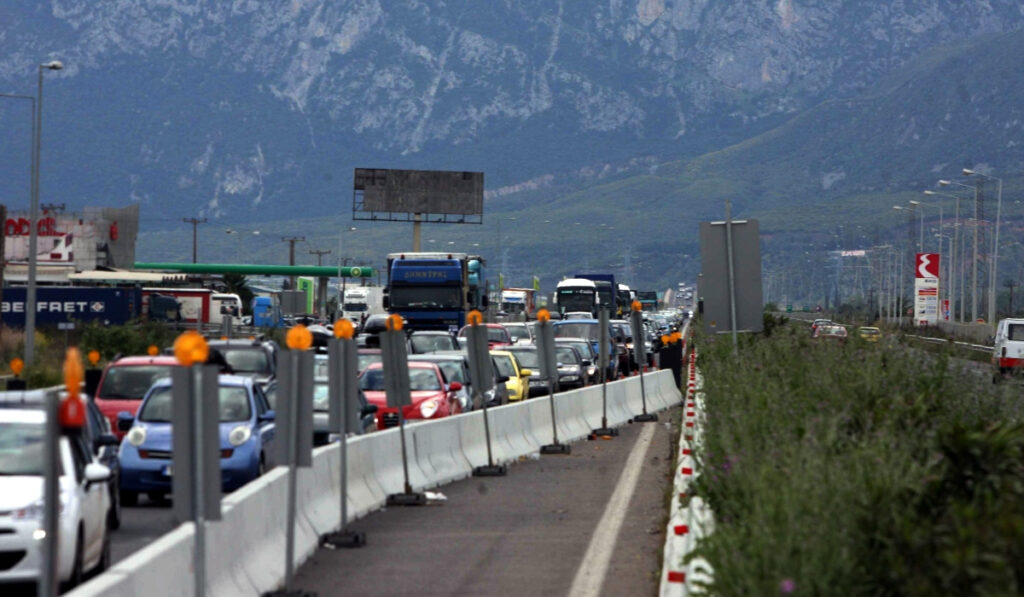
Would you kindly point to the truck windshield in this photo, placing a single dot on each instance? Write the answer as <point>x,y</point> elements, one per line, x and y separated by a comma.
<point>576,299</point>
<point>604,290</point>
<point>577,330</point>
<point>354,306</point>
<point>426,297</point>
<point>513,307</point>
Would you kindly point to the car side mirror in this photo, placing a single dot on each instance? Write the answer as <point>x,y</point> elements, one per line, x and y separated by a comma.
<point>369,409</point>
<point>105,439</point>
<point>525,373</point>
<point>502,379</point>
<point>455,386</point>
<point>587,362</point>
<point>514,338</point>
<point>269,416</point>
<point>96,473</point>
<point>124,421</point>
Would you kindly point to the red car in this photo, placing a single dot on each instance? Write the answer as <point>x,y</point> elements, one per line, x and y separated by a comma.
<point>432,397</point>
<point>497,335</point>
<point>125,382</point>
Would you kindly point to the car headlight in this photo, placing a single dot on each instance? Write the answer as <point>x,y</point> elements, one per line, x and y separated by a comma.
<point>35,510</point>
<point>239,435</point>
<point>428,408</point>
<point>136,435</point>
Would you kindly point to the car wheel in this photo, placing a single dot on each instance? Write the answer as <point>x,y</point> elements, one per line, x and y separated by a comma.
<point>76,569</point>
<point>104,562</point>
<point>129,498</point>
<point>262,470</point>
<point>114,514</point>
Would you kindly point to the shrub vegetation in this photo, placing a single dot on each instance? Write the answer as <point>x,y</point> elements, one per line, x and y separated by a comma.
<point>859,469</point>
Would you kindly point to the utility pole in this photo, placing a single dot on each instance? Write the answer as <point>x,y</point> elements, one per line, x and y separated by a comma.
<point>321,284</point>
<point>1011,285</point>
<point>195,235</point>
<point>291,240</point>
<point>319,255</point>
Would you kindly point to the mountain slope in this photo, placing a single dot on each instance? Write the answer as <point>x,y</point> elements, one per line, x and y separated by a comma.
<point>246,110</point>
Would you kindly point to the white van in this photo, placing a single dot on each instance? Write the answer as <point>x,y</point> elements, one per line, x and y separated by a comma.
<point>1008,354</point>
<point>222,304</point>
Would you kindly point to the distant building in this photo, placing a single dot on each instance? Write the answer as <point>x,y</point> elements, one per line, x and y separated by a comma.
<point>97,238</point>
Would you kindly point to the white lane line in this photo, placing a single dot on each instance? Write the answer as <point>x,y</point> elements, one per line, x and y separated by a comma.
<point>590,575</point>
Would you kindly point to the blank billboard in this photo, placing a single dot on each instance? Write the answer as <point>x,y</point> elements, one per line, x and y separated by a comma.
<point>714,288</point>
<point>436,195</point>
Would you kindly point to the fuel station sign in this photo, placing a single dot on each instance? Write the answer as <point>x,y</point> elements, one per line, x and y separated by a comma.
<point>926,289</point>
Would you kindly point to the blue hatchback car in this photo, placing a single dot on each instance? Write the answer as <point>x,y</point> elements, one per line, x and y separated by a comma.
<point>246,428</point>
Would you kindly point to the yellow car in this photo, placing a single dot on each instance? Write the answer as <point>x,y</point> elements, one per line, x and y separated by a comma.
<point>869,334</point>
<point>518,378</point>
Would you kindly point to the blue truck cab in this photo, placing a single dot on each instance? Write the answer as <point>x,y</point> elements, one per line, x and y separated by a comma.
<point>435,291</point>
<point>266,312</point>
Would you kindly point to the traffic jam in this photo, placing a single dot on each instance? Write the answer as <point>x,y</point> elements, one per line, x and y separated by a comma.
<point>119,453</point>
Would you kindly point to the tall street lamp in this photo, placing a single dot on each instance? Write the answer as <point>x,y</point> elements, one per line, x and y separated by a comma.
<point>33,220</point>
<point>32,157</point>
<point>951,291</point>
<point>995,246</point>
<point>916,205</point>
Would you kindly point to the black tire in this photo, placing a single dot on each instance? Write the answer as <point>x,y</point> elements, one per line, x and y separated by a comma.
<point>262,470</point>
<point>114,514</point>
<point>76,569</point>
<point>104,562</point>
<point>129,498</point>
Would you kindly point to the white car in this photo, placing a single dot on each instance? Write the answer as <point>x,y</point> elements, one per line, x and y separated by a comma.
<point>84,541</point>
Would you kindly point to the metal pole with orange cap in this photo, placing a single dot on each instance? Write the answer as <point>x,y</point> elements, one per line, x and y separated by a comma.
<point>16,383</point>
<point>195,437</point>
<point>637,325</point>
<point>604,340</point>
<point>482,376</point>
<point>293,430</point>
<point>395,365</point>
<point>344,416</point>
<point>549,369</point>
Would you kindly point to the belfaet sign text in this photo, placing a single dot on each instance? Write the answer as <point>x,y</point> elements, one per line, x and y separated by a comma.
<point>60,304</point>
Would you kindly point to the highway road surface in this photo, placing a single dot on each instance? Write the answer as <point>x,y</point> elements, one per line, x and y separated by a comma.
<point>582,524</point>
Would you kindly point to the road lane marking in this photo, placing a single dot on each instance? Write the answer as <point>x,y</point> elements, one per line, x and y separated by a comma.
<point>594,567</point>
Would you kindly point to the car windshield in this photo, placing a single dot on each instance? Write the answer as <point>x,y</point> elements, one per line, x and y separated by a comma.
<point>576,330</point>
<point>420,379</point>
<point>21,448</point>
<point>430,343</point>
<point>436,297</point>
<point>566,355</point>
<point>527,358</point>
<point>519,331</point>
<point>321,400</point>
<point>367,359</point>
<point>320,369</point>
<point>504,365</point>
<point>582,347</point>
<point>497,335</point>
<point>233,403</point>
<point>452,371</point>
<point>130,382</point>
<point>246,360</point>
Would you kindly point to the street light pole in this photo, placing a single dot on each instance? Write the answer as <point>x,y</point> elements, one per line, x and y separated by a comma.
<point>995,246</point>
<point>33,219</point>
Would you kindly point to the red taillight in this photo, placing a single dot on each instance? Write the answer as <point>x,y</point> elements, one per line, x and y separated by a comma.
<point>226,453</point>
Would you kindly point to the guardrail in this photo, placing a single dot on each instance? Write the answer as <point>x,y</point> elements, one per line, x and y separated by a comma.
<point>246,548</point>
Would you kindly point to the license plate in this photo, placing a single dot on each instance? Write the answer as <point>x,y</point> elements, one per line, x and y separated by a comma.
<point>167,471</point>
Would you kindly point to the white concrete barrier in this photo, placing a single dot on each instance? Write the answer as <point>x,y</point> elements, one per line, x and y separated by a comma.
<point>245,551</point>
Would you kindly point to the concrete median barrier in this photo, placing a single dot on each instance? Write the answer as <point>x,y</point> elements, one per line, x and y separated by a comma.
<point>245,551</point>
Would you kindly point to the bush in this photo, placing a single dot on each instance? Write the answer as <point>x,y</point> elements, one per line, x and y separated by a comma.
<point>130,339</point>
<point>858,469</point>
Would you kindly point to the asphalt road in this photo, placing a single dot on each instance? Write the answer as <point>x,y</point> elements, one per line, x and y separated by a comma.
<point>524,534</point>
<point>140,526</point>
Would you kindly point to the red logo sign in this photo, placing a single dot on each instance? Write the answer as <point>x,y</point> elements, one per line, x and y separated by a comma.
<point>927,265</point>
